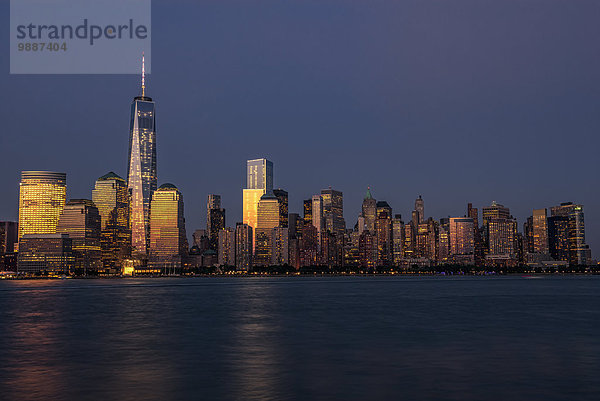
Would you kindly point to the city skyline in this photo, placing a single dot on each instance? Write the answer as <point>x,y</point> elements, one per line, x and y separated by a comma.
<point>443,118</point>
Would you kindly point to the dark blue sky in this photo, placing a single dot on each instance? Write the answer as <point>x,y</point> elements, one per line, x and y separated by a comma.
<point>456,100</point>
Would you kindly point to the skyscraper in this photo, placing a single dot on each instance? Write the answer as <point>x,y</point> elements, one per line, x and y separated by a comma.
<point>168,241</point>
<point>420,208</point>
<point>540,231</point>
<point>226,248</point>
<point>243,246</point>
<point>317,217</point>
<point>215,219</point>
<point>259,180</point>
<point>111,197</point>
<point>383,238</point>
<point>141,167</point>
<point>462,241</point>
<point>567,234</point>
<point>267,219</point>
<point>282,197</point>
<point>280,246</point>
<point>42,196</point>
<point>369,211</point>
<point>81,220</point>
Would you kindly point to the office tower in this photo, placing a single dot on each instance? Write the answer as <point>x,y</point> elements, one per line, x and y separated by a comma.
<point>295,225</point>
<point>8,236</point>
<point>309,247</point>
<point>333,211</point>
<point>540,231</point>
<point>420,209</point>
<point>251,197</point>
<point>408,250</point>
<point>168,241</point>
<point>367,250</point>
<point>243,246</point>
<point>280,246</point>
<point>282,197</point>
<point>80,219</point>
<point>397,239</point>
<point>415,219</point>
<point>111,197</point>
<point>361,224</point>
<point>45,254</point>
<point>473,213</point>
<point>369,211</point>
<point>215,219</point>
<point>260,174</point>
<point>443,253</point>
<point>267,219</point>
<point>226,247</point>
<point>528,235</point>
<point>500,231</point>
<point>462,241</point>
<point>504,234</point>
<point>42,196</point>
<point>567,234</point>
<point>383,231</point>
<point>141,167</point>
<point>294,252</point>
<point>307,207</point>
<point>317,217</point>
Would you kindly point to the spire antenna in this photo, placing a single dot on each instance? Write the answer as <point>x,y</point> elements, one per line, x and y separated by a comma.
<point>143,76</point>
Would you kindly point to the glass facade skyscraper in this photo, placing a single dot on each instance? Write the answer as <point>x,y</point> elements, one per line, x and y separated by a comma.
<point>260,174</point>
<point>42,196</point>
<point>141,169</point>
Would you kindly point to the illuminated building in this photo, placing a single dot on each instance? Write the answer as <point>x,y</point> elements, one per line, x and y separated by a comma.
<point>80,219</point>
<point>528,235</point>
<point>111,197</point>
<point>462,242</point>
<point>383,232</point>
<point>226,248</point>
<point>280,246</point>
<point>426,240</point>
<point>540,231</point>
<point>307,207</point>
<point>42,196</point>
<point>317,217</point>
<point>46,254</point>
<point>334,223</point>
<point>141,168</point>
<point>309,246</point>
<point>567,234</point>
<point>259,174</point>
<point>420,209</point>
<point>499,237</point>
<point>369,211</point>
<point>443,253</point>
<point>168,242</point>
<point>243,246</point>
<point>397,239</point>
<point>408,250</point>
<point>8,236</point>
<point>282,197</point>
<point>473,213</point>
<point>267,219</point>
<point>215,219</point>
<point>367,250</point>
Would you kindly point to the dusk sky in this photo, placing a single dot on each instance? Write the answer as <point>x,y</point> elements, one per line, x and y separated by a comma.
<point>458,101</point>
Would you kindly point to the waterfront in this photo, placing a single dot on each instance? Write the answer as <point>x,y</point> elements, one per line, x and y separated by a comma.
<point>299,338</point>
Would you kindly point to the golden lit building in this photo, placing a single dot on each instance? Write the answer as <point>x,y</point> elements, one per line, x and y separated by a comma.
<point>540,231</point>
<point>250,206</point>
<point>259,180</point>
<point>168,242</point>
<point>267,219</point>
<point>81,221</point>
<point>42,197</point>
<point>111,197</point>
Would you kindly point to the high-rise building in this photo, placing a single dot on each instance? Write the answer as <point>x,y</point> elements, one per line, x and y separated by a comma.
<point>215,219</point>
<point>420,209</point>
<point>168,241</point>
<point>499,231</point>
<point>473,213</point>
<point>141,168</point>
<point>567,234</point>
<point>243,246</point>
<point>260,174</point>
<point>309,247</point>
<point>259,180</point>
<point>81,220</point>
<point>42,196</point>
<point>383,231</point>
<point>462,242</point>
<point>317,216</point>
<point>226,247</point>
<point>367,250</point>
<point>282,197</point>
<point>540,231</point>
<point>369,211</point>
<point>307,207</point>
<point>46,254</point>
<point>8,236</point>
<point>333,211</point>
<point>397,239</point>
<point>267,219</point>
<point>280,246</point>
<point>528,235</point>
<point>111,197</point>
